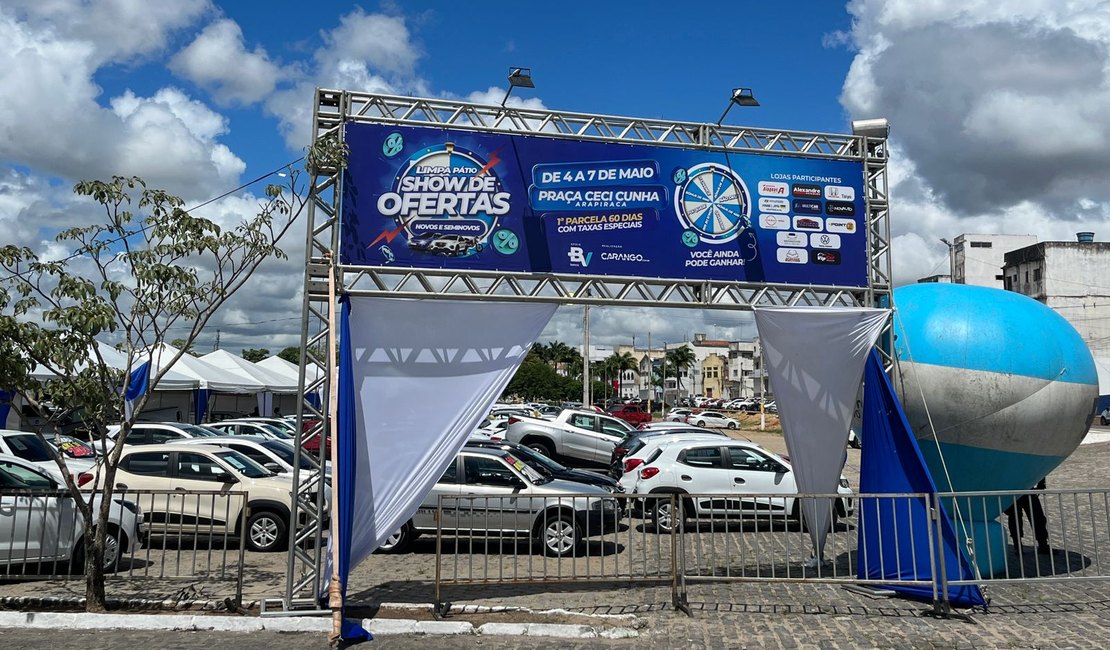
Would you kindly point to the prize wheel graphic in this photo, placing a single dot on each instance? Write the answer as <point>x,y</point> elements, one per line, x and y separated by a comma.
<point>713,201</point>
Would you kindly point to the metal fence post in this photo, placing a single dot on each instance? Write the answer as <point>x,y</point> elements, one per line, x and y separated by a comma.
<point>941,607</point>
<point>678,525</point>
<point>242,548</point>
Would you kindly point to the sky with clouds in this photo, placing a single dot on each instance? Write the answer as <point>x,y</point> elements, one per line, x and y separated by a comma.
<point>1000,112</point>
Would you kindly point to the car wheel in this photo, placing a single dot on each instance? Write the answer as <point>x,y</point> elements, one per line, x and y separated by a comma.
<point>114,543</point>
<point>854,443</point>
<point>560,535</point>
<point>664,517</point>
<point>732,425</point>
<point>699,423</point>
<point>399,541</point>
<point>1102,420</point>
<point>541,447</point>
<point>266,532</point>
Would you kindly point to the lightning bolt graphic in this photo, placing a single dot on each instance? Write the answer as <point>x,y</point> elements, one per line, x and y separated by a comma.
<point>494,159</point>
<point>388,235</point>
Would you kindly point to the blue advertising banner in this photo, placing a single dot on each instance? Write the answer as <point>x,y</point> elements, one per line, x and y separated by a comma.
<point>426,197</point>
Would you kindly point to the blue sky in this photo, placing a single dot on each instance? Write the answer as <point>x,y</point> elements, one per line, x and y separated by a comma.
<point>1000,115</point>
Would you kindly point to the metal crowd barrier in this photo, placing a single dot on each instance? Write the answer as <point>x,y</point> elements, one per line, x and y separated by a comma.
<point>177,534</point>
<point>484,540</point>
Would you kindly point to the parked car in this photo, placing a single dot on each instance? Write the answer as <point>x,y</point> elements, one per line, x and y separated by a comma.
<point>31,448</point>
<point>245,427</point>
<point>191,484</point>
<point>630,413</point>
<point>710,469</point>
<point>545,465</point>
<point>288,425</point>
<point>1104,417</point>
<point>677,415</point>
<point>584,436</point>
<point>157,433</point>
<point>713,419</point>
<point>274,455</point>
<point>657,426</point>
<point>40,522</point>
<point>494,494</point>
<point>636,440</point>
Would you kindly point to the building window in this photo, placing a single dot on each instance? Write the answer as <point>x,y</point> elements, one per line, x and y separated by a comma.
<point>980,244</point>
<point>1036,275</point>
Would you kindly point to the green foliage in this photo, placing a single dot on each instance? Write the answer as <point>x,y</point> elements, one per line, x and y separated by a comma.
<point>292,354</point>
<point>254,355</point>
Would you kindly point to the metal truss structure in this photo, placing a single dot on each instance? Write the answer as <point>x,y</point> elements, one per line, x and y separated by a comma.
<point>325,278</point>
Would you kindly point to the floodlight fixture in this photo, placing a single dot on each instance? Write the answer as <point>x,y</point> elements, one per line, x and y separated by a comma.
<point>740,97</point>
<point>874,128</point>
<point>518,78</point>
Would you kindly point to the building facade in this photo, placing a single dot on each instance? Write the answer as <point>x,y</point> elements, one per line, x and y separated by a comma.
<point>1072,278</point>
<point>978,258</point>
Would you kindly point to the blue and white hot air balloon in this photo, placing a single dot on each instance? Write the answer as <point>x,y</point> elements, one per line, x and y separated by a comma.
<point>1005,383</point>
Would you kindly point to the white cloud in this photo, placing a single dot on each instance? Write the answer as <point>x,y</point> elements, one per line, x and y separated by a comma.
<point>1000,116</point>
<point>114,30</point>
<point>53,119</point>
<point>218,61</point>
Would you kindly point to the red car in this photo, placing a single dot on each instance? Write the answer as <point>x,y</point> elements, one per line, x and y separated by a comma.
<point>630,413</point>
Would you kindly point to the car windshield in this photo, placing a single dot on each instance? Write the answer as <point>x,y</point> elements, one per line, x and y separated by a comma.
<point>243,465</point>
<point>29,447</point>
<point>534,477</point>
<point>537,461</point>
<point>73,448</point>
<point>283,451</point>
<point>196,431</point>
<point>276,431</point>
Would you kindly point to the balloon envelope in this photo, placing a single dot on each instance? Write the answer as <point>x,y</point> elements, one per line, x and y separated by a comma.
<point>1006,383</point>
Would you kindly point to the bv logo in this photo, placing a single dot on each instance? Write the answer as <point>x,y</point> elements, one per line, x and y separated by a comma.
<point>579,256</point>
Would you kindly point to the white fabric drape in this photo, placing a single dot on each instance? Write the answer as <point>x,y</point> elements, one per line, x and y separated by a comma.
<point>814,357</point>
<point>425,374</point>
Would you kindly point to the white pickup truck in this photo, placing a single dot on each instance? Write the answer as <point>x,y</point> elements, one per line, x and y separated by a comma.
<point>582,436</point>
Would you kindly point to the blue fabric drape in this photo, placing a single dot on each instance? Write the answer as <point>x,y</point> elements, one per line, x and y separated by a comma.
<point>6,397</point>
<point>894,534</point>
<point>345,471</point>
<point>200,403</point>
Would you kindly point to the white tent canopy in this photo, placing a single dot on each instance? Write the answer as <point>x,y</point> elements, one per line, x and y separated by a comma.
<point>282,367</point>
<point>207,375</point>
<point>113,358</point>
<point>270,380</point>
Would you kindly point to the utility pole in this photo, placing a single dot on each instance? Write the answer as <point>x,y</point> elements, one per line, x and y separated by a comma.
<point>664,409</point>
<point>586,357</point>
<point>217,345</point>
<point>651,384</point>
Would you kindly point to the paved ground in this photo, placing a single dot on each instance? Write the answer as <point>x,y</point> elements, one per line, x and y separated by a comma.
<point>1061,614</point>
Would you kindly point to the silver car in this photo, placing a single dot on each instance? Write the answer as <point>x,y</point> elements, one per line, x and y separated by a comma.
<point>489,493</point>
<point>40,522</point>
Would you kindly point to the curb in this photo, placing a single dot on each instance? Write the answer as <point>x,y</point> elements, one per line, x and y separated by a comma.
<point>378,627</point>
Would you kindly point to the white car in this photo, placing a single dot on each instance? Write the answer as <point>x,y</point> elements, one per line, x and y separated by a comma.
<point>712,468</point>
<point>189,492</point>
<point>289,426</point>
<point>713,419</point>
<point>40,522</point>
<point>659,426</point>
<point>677,415</point>
<point>274,455</point>
<point>157,433</point>
<point>251,428</point>
<point>32,449</point>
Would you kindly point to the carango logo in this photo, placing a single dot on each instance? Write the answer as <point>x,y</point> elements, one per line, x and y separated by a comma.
<point>579,256</point>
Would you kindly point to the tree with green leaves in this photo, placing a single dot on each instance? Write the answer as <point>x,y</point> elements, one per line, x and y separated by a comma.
<point>681,359</point>
<point>254,355</point>
<point>617,364</point>
<point>292,354</point>
<point>148,267</point>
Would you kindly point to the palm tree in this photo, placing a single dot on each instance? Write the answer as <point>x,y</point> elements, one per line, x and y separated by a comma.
<point>681,359</point>
<point>618,363</point>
